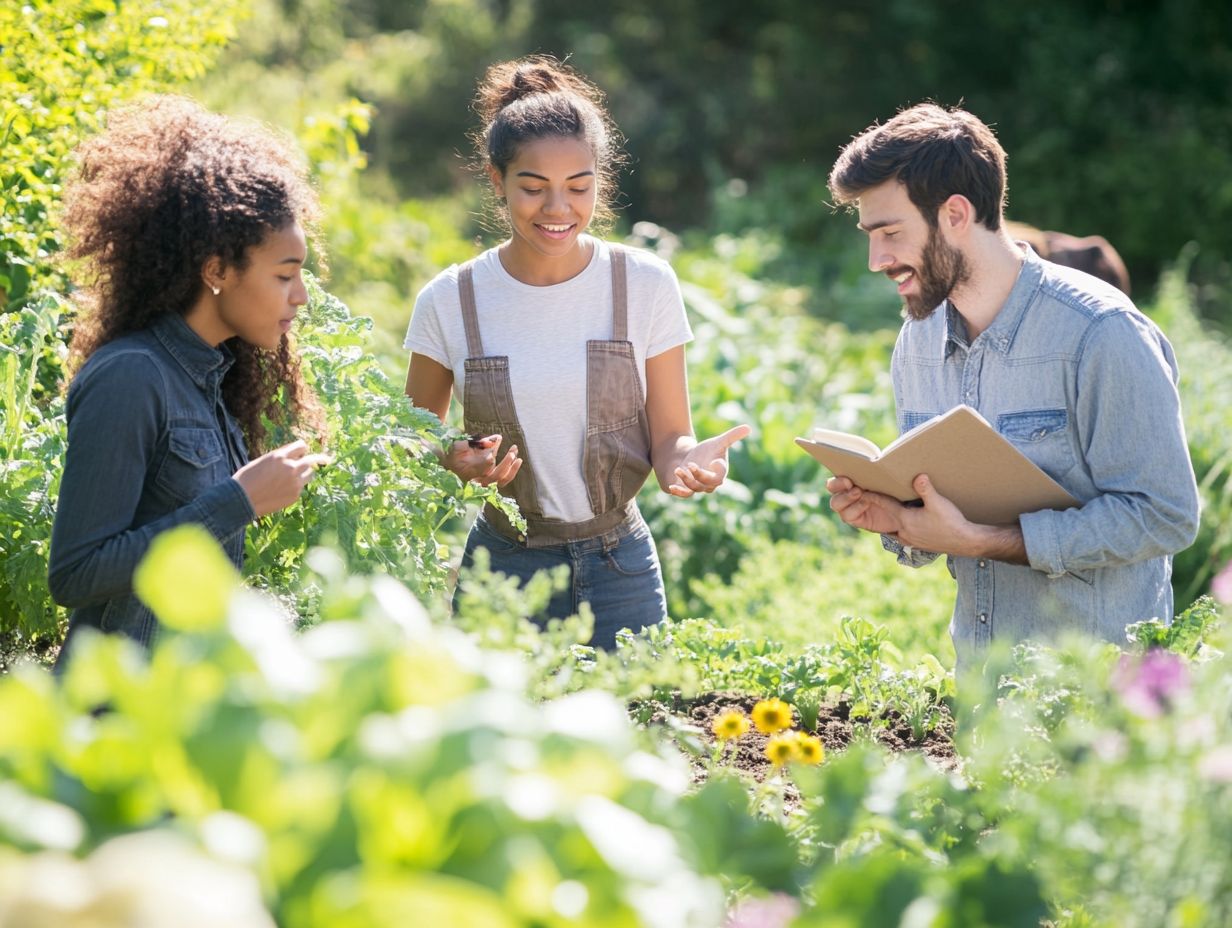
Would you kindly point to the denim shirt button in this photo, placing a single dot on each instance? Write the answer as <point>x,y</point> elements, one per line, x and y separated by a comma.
<point>982,563</point>
<point>984,617</point>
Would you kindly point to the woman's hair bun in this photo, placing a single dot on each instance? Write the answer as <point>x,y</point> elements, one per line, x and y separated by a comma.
<point>510,81</point>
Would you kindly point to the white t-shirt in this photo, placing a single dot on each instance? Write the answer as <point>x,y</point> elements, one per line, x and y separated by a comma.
<point>543,331</point>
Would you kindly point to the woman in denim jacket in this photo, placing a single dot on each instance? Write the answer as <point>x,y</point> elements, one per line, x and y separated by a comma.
<point>189,233</point>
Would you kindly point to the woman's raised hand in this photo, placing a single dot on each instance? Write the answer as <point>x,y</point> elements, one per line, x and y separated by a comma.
<point>475,460</point>
<point>275,480</point>
<point>704,467</point>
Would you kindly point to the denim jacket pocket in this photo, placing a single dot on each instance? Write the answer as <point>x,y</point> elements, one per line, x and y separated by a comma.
<point>1042,435</point>
<point>129,616</point>
<point>192,463</point>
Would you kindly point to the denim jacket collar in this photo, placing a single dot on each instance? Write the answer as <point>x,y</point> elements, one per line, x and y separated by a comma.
<point>1000,335</point>
<point>204,364</point>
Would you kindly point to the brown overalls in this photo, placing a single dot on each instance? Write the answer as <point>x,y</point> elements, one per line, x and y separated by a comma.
<point>616,452</point>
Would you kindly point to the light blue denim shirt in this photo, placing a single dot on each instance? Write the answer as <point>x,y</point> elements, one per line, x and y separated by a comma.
<point>151,445</point>
<point>1085,386</point>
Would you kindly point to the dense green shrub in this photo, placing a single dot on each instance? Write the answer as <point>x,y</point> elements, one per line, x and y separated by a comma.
<point>63,64</point>
<point>1205,359</point>
<point>382,501</point>
<point>31,454</point>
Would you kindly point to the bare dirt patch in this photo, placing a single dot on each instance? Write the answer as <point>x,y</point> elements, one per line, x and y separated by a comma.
<point>835,727</point>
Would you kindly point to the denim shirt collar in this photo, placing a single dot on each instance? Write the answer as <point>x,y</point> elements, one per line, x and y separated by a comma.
<point>205,364</point>
<point>1000,335</point>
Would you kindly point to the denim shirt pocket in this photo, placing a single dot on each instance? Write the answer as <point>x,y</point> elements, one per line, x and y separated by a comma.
<point>909,419</point>
<point>194,462</point>
<point>1043,436</point>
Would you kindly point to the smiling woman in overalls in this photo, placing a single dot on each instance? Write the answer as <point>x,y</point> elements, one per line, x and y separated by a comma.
<point>567,354</point>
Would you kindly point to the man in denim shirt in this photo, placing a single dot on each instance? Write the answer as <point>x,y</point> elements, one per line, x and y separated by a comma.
<point>1061,363</point>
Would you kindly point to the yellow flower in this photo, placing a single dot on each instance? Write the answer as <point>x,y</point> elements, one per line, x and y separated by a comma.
<point>810,750</point>
<point>783,748</point>
<point>771,715</point>
<point>731,724</point>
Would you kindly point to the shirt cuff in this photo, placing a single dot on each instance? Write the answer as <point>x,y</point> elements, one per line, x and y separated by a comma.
<point>225,509</point>
<point>1039,536</point>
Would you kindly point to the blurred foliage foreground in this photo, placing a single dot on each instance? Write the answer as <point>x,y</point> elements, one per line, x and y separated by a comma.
<point>381,769</point>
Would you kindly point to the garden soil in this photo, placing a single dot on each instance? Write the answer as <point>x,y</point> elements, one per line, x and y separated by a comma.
<point>835,728</point>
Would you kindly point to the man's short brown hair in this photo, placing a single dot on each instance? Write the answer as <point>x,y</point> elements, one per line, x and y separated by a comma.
<point>935,153</point>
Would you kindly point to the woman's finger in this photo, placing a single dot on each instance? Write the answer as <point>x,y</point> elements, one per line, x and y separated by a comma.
<point>295,450</point>
<point>501,473</point>
<point>705,476</point>
<point>513,472</point>
<point>498,473</point>
<point>686,478</point>
<point>730,437</point>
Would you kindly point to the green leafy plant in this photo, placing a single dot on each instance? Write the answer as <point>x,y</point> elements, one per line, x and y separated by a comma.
<point>373,768</point>
<point>1188,633</point>
<point>31,450</point>
<point>1117,768</point>
<point>64,65</point>
<point>383,500</point>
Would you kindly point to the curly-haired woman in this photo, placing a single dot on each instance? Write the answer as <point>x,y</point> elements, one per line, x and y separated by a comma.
<point>188,233</point>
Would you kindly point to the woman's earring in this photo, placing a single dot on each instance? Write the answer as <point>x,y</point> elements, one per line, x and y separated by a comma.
<point>216,291</point>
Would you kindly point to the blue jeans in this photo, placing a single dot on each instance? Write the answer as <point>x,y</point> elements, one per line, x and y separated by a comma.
<point>617,573</point>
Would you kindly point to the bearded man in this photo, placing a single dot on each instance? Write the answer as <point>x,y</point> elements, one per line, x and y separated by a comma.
<point>1061,363</point>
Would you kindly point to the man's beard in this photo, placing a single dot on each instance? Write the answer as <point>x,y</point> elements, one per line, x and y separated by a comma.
<point>941,270</point>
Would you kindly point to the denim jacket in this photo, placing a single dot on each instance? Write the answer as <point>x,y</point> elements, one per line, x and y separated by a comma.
<point>1085,386</point>
<point>150,446</point>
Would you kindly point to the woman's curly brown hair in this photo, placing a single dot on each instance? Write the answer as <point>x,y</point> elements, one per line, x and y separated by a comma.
<point>166,187</point>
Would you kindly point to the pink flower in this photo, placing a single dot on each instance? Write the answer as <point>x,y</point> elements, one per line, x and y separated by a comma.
<point>1216,764</point>
<point>775,911</point>
<point>1221,586</point>
<point>1149,685</point>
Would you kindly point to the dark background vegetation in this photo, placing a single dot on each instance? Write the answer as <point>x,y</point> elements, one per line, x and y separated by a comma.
<point>1115,113</point>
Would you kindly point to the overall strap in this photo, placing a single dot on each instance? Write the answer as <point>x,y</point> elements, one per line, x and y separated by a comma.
<point>620,296</point>
<point>470,318</point>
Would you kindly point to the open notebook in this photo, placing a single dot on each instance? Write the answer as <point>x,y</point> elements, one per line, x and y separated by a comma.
<point>980,471</point>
